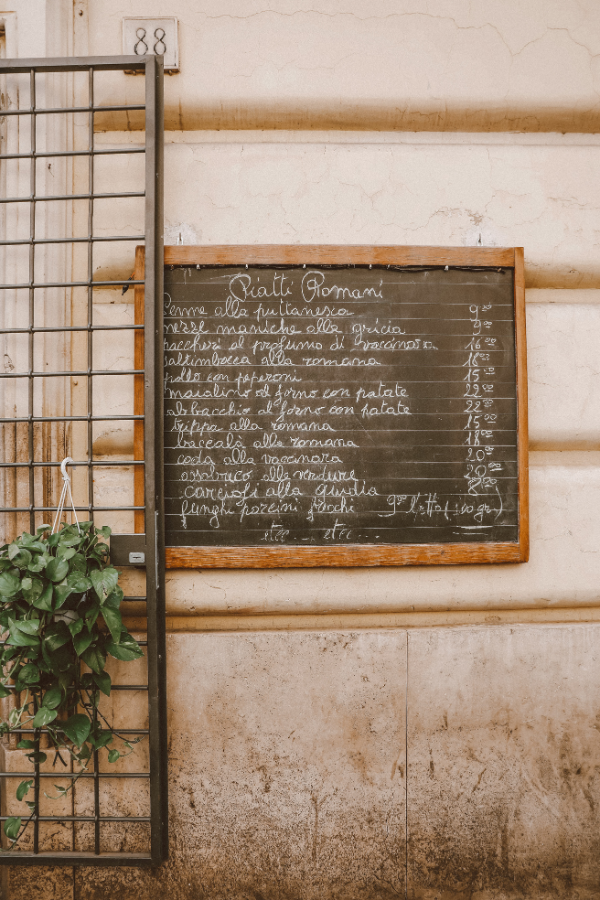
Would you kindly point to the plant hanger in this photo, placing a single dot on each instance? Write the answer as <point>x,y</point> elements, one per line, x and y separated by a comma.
<point>65,493</point>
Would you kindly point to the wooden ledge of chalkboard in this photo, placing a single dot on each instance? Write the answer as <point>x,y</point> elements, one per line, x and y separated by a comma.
<point>346,556</point>
<point>336,254</point>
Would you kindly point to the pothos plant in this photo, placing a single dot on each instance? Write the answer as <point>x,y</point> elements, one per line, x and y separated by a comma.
<point>60,618</point>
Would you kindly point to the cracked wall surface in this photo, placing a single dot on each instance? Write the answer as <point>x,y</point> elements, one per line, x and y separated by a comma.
<point>449,190</point>
<point>409,65</point>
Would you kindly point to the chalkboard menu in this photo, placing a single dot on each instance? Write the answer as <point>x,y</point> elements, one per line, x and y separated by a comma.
<point>339,406</point>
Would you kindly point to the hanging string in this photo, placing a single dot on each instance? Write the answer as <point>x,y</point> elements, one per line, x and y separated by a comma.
<point>65,495</point>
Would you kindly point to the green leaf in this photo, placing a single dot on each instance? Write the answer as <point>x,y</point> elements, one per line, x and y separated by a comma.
<point>113,756</point>
<point>95,658</point>
<point>29,674</point>
<point>9,584</point>
<point>104,581</point>
<point>32,589</point>
<point>78,583</point>
<point>23,789</point>
<point>103,740</point>
<point>37,757</point>
<point>32,543</point>
<point>57,569</point>
<point>85,752</point>
<point>27,626</point>
<point>103,681</point>
<point>56,636</point>
<point>42,528</point>
<point>13,550</point>
<point>114,599</point>
<point>44,716</point>
<point>38,564</point>
<point>61,592</point>
<point>114,622</point>
<point>81,642</point>
<point>105,531</point>
<point>44,601</point>
<point>61,660</point>
<point>79,564</point>
<point>4,691</point>
<point>66,554</point>
<point>26,745</point>
<point>12,826</point>
<point>52,697</point>
<point>91,616</point>
<point>65,681</point>
<point>19,638</point>
<point>126,650</point>
<point>77,728</point>
<point>75,626</point>
<point>22,559</point>
<point>70,540</point>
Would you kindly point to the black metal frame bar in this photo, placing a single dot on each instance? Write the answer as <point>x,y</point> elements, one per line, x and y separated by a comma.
<point>152,67</point>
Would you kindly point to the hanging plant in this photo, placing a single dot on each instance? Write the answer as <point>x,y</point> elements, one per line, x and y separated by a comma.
<point>60,616</point>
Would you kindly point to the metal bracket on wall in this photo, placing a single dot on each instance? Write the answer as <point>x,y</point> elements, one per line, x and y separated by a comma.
<point>128,550</point>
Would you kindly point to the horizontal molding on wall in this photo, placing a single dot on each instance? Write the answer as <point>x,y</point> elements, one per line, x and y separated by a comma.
<point>254,115</point>
<point>312,136</point>
<point>377,621</point>
<point>577,297</point>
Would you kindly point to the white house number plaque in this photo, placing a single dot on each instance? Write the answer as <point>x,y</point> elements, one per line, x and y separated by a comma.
<point>143,37</point>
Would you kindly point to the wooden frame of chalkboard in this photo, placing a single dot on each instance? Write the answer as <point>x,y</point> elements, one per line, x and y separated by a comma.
<point>362,554</point>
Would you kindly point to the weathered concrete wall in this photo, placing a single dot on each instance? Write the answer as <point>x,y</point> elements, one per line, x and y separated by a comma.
<point>504,763</point>
<point>287,773</point>
<point>294,772</point>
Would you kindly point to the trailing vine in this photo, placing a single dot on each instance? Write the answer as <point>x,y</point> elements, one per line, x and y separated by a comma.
<point>60,617</point>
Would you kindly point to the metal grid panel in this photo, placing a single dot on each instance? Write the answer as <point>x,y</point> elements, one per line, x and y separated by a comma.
<point>49,326</point>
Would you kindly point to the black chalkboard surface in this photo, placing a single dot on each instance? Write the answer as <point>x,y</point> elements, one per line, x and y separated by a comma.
<point>341,409</point>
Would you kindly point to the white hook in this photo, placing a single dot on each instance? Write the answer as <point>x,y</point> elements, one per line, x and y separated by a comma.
<point>63,468</point>
<point>65,494</point>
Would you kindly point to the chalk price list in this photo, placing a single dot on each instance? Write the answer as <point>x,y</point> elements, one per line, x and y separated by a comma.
<point>338,405</point>
<point>483,470</point>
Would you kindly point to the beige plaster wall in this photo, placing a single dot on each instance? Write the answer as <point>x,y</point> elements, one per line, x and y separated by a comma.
<point>408,64</point>
<point>541,192</point>
<point>532,190</point>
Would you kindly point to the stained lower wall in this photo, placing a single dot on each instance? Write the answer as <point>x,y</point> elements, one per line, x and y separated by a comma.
<point>454,763</point>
